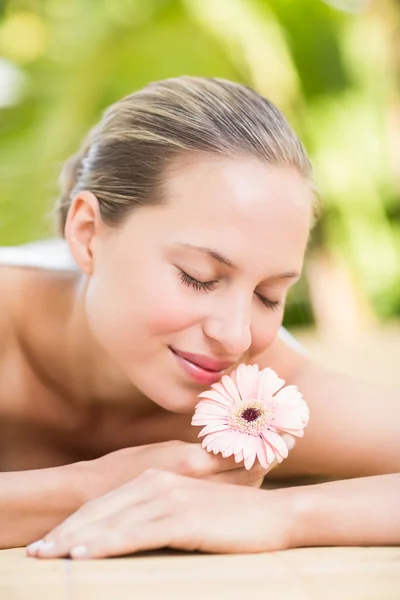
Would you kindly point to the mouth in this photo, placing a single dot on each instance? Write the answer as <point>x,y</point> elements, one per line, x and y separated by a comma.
<point>201,369</point>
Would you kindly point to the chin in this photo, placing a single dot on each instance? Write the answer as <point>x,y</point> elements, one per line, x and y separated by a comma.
<point>177,400</point>
<point>164,389</point>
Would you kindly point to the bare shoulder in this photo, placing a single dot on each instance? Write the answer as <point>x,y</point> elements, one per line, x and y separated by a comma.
<point>11,279</point>
<point>10,301</point>
<point>26,399</point>
<point>23,290</point>
<point>15,286</point>
<point>284,359</point>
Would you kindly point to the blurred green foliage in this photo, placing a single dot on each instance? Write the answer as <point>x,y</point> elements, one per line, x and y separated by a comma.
<point>335,74</point>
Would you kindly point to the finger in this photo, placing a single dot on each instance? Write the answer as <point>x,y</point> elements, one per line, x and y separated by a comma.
<point>149,535</point>
<point>197,462</point>
<point>289,440</point>
<point>158,486</point>
<point>134,493</point>
<point>86,515</point>
<point>120,529</point>
<point>241,476</point>
<point>254,476</point>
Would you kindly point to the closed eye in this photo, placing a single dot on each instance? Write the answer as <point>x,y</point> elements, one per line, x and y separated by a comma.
<point>209,286</point>
<point>272,304</point>
<point>205,286</point>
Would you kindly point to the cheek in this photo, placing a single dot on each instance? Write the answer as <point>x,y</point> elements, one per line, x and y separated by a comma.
<point>127,312</point>
<point>264,332</point>
<point>165,305</point>
<point>170,313</point>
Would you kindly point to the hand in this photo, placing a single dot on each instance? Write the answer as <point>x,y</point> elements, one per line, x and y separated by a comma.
<point>162,509</point>
<point>116,468</point>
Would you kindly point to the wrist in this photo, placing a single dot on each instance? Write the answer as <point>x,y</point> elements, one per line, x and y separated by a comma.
<point>317,515</point>
<point>33,502</point>
<point>82,481</point>
<point>103,474</point>
<point>302,509</point>
<point>305,514</point>
<point>358,512</point>
<point>90,478</point>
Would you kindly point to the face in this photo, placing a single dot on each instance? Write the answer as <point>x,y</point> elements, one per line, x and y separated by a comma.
<point>184,291</point>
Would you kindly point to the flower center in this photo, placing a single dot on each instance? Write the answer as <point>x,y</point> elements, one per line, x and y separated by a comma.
<point>250,414</point>
<point>250,418</point>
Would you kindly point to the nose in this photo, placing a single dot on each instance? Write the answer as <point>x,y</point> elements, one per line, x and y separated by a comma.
<point>229,324</point>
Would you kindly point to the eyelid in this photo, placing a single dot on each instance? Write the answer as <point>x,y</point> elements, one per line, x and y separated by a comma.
<point>205,286</point>
<point>271,304</point>
<point>208,286</point>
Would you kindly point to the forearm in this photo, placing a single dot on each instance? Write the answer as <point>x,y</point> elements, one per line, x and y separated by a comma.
<point>33,502</point>
<point>355,512</point>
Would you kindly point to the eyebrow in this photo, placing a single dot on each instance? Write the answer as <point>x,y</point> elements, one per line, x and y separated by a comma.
<point>226,261</point>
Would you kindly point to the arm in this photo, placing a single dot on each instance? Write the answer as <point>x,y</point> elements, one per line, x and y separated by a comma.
<point>161,509</point>
<point>360,512</point>
<point>354,427</point>
<point>31,502</point>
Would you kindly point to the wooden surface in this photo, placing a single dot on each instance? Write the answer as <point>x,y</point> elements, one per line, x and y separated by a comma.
<point>304,574</point>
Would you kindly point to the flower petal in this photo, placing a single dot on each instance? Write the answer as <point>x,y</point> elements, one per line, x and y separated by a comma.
<point>290,396</point>
<point>249,460</point>
<point>216,397</point>
<point>213,428</point>
<point>203,422</point>
<point>209,440</point>
<point>239,456</point>
<point>219,388</point>
<point>296,432</point>
<point>249,445</point>
<point>285,419</point>
<point>217,444</point>
<point>277,443</point>
<point>226,447</point>
<point>210,407</point>
<point>231,387</point>
<point>269,383</point>
<point>265,454</point>
<point>239,442</point>
<point>200,421</point>
<point>247,379</point>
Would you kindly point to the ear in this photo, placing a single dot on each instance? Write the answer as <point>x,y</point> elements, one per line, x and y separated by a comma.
<point>83,225</point>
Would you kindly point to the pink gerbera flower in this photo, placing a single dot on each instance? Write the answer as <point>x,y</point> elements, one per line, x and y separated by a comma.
<point>244,413</point>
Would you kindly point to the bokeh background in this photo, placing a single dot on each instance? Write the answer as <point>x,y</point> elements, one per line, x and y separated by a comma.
<point>333,67</point>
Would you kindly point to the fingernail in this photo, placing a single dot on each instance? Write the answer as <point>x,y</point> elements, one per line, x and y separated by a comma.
<point>79,552</point>
<point>290,443</point>
<point>31,548</point>
<point>40,547</point>
<point>46,547</point>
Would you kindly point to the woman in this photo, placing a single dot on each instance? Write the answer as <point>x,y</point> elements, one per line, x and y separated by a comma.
<point>187,213</point>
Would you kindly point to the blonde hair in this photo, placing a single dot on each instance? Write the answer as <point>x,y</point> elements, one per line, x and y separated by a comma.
<point>125,157</point>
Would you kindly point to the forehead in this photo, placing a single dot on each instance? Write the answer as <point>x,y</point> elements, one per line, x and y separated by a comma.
<point>242,203</point>
<point>210,187</point>
<point>254,214</point>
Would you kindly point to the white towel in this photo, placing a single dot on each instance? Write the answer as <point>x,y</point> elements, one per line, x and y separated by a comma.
<point>45,254</point>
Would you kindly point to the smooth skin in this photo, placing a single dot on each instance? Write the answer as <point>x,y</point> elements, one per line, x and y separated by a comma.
<point>90,383</point>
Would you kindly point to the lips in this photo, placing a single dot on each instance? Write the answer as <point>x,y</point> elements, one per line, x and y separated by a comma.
<point>210,364</point>
<point>202,369</point>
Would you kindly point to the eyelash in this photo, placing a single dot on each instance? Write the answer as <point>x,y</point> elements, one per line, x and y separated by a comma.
<point>271,304</point>
<point>208,286</point>
<point>199,286</point>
